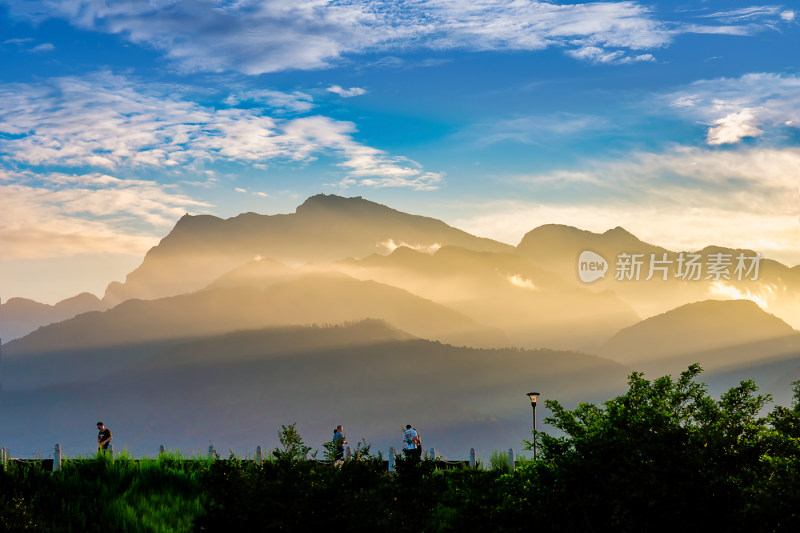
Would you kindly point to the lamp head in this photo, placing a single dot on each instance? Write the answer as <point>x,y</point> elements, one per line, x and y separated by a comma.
<point>533,396</point>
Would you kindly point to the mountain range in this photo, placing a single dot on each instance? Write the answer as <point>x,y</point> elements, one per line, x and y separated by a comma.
<point>232,325</point>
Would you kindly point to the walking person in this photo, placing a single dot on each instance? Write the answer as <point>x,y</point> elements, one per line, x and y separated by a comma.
<point>103,437</point>
<point>412,443</point>
<point>339,441</point>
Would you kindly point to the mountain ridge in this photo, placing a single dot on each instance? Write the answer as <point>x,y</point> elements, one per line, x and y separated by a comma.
<point>324,228</point>
<point>695,327</point>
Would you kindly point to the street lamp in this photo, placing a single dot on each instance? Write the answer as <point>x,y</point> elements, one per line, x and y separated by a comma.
<point>533,397</point>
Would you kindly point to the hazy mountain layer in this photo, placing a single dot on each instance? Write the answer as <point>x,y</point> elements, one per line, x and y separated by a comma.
<point>558,248</point>
<point>235,390</point>
<point>324,228</point>
<point>524,291</point>
<point>533,306</point>
<point>693,328</point>
<point>20,316</point>
<point>95,343</point>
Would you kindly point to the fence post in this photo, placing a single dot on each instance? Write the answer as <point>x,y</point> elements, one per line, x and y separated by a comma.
<point>111,450</point>
<point>57,458</point>
<point>162,450</point>
<point>391,458</point>
<point>211,452</point>
<point>432,454</point>
<point>259,455</point>
<point>3,457</point>
<point>511,459</point>
<point>472,462</point>
<point>347,452</point>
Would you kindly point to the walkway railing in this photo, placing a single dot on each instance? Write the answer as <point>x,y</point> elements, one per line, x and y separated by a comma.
<point>259,458</point>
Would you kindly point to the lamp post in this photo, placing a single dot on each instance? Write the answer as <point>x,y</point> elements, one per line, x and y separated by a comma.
<point>534,396</point>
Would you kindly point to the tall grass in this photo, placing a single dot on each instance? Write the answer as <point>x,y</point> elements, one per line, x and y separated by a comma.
<point>102,493</point>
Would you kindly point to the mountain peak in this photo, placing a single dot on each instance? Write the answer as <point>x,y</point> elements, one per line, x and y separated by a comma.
<point>695,327</point>
<point>619,231</point>
<point>332,201</point>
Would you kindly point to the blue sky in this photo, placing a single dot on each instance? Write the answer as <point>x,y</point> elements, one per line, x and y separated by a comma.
<point>678,121</point>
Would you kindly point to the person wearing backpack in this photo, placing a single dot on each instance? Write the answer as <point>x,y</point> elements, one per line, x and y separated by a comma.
<point>412,443</point>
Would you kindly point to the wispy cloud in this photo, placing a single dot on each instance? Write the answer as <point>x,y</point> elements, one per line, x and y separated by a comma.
<point>57,214</point>
<point>274,35</point>
<point>737,108</point>
<point>107,121</point>
<point>18,40</point>
<point>295,101</point>
<point>753,13</point>
<point>683,199</point>
<point>44,47</point>
<point>536,129</point>
<point>596,54</point>
<point>530,25</point>
<point>346,93</point>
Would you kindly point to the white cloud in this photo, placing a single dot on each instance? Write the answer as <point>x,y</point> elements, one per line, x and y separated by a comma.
<point>733,128</point>
<point>596,54</point>
<point>740,30</point>
<point>295,101</point>
<point>18,40</point>
<point>734,108</point>
<point>534,129</point>
<point>44,47</point>
<point>682,199</point>
<point>530,25</point>
<point>256,37</point>
<point>56,214</point>
<point>248,36</point>
<point>107,121</point>
<point>763,13</point>
<point>346,93</point>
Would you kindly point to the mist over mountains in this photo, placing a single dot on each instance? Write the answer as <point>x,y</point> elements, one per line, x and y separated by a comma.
<point>348,311</point>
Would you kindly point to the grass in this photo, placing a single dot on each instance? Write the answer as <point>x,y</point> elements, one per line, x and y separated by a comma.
<point>101,493</point>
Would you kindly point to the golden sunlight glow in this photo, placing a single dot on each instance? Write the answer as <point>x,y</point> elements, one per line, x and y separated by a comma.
<point>762,297</point>
<point>391,246</point>
<point>524,283</point>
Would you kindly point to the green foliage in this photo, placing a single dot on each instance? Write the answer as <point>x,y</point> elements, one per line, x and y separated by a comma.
<point>498,461</point>
<point>330,447</point>
<point>293,447</point>
<point>662,455</point>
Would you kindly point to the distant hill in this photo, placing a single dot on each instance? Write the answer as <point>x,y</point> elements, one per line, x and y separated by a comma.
<point>693,328</point>
<point>20,316</point>
<point>773,365</point>
<point>260,273</point>
<point>324,228</point>
<point>535,307</point>
<point>236,389</point>
<point>96,343</point>
<point>558,247</point>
